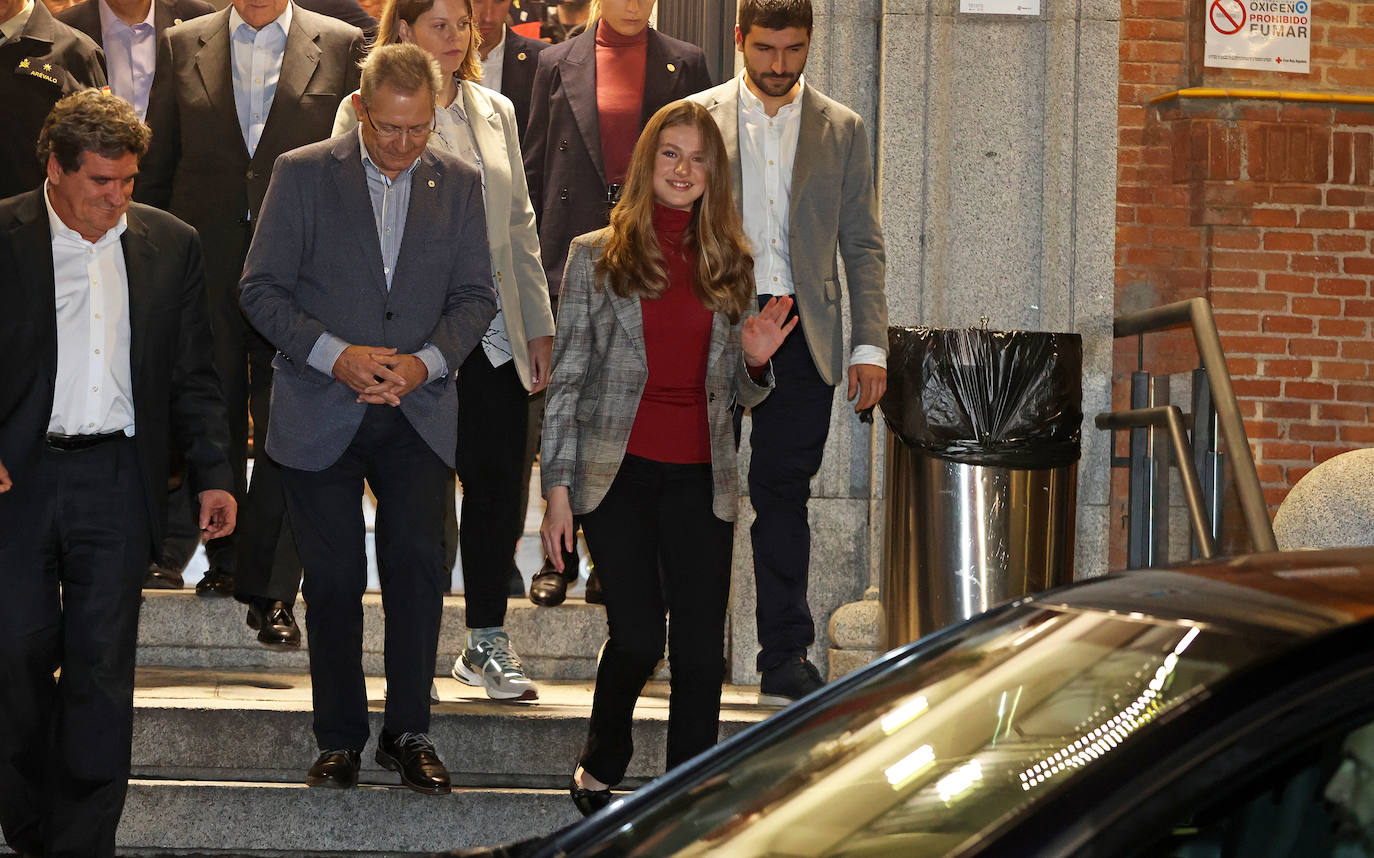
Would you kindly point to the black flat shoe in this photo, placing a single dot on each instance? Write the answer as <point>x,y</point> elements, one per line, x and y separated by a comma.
<point>335,770</point>
<point>588,801</point>
<point>549,587</point>
<point>412,756</point>
<point>161,578</point>
<point>275,624</point>
<point>217,583</point>
<point>592,593</point>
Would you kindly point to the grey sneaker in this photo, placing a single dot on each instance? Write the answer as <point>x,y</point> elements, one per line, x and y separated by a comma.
<point>489,662</point>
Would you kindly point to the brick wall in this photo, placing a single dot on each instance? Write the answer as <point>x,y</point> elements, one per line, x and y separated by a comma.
<point>1266,207</point>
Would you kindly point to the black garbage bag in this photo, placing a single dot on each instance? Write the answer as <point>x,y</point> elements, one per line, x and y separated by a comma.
<point>1010,399</point>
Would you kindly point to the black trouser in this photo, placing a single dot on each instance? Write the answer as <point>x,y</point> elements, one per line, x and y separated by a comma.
<point>492,415</point>
<point>183,528</point>
<point>74,546</point>
<point>407,478</point>
<point>786,445</point>
<point>660,550</point>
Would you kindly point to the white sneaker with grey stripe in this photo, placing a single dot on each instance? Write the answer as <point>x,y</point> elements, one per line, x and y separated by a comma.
<point>489,662</point>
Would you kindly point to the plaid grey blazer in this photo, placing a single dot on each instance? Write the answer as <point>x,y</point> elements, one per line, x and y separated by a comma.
<point>599,373</point>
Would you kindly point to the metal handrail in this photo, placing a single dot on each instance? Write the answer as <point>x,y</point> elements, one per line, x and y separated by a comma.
<point>1171,417</point>
<point>1197,313</point>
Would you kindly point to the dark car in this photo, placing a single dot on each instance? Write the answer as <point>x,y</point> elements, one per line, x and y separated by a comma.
<point>1217,711</point>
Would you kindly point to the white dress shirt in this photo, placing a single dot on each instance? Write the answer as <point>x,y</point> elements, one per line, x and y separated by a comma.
<point>256,64</point>
<point>14,25</point>
<point>131,54</point>
<point>94,392</point>
<point>767,153</point>
<point>492,65</point>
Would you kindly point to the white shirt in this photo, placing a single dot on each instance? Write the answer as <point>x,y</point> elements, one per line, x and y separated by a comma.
<point>492,65</point>
<point>256,63</point>
<point>767,153</point>
<point>131,53</point>
<point>94,392</point>
<point>11,28</point>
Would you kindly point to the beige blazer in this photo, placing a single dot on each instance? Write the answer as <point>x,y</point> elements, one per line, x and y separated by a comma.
<point>834,206</point>
<point>600,368</point>
<point>514,243</point>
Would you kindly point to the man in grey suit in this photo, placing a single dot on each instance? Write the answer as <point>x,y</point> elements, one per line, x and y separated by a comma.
<point>804,177</point>
<point>370,273</point>
<point>234,90</point>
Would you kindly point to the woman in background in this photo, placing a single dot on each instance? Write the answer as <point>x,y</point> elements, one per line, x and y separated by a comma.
<point>653,350</point>
<point>478,127</point>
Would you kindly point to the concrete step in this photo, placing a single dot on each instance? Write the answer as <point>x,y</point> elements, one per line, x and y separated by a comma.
<point>180,629</point>
<point>206,818</point>
<point>256,727</point>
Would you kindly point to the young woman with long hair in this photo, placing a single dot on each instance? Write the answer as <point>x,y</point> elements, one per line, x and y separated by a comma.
<point>494,384</point>
<point>655,345</point>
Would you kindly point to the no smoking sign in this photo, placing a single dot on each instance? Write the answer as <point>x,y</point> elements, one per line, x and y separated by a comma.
<point>1226,16</point>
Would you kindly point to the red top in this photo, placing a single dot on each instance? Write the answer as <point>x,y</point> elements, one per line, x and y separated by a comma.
<point>670,425</point>
<point>619,96</point>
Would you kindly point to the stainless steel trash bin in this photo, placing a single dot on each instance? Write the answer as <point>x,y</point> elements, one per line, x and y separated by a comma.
<point>981,471</point>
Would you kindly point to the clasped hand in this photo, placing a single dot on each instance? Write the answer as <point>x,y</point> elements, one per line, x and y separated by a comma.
<point>761,335</point>
<point>379,375</point>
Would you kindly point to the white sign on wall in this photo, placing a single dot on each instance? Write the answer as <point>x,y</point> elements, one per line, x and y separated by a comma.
<point>1273,35</point>
<point>1000,7</point>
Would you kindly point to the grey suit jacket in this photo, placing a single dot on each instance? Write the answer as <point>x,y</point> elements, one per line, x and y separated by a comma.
<point>315,265</point>
<point>198,167</point>
<point>834,206</point>
<point>600,369</point>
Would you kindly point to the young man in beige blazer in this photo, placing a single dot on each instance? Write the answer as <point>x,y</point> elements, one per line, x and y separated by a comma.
<point>803,175</point>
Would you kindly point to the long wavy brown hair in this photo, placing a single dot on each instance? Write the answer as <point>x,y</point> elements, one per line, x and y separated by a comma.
<point>396,11</point>
<point>631,264</point>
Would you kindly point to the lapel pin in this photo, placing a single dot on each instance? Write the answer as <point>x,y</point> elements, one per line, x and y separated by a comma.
<point>671,67</point>
<point>521,56</point>
<point>431,183</point>
<point>176,21</point>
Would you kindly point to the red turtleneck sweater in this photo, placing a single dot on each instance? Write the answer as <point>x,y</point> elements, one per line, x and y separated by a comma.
<point>619,95</point>
<point>670,425</point>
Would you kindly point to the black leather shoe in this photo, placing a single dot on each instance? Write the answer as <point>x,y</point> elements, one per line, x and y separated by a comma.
<point>516,584</point>
<point>217,583</point>
<point>592,594</point>
<point>412,755</point>
<point>274,623</point>
<point>162,578</point>
<point>788,682</point>
<point>335,770</point>
<point>588,801</point>
<point>549,587</point>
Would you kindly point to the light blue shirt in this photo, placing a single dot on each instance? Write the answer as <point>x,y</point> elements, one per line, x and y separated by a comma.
<point>256,61</point>
<point>390,205</point>
<point>131,54</point>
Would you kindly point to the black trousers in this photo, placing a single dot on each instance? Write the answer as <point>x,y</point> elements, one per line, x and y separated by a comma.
<point>787,441</point>
<point>493,412</point>
<point>407,478</point>
<point>74,546</point>
<point>660,551</point>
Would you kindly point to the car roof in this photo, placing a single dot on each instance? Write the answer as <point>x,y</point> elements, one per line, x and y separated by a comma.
<point>1289,592</point>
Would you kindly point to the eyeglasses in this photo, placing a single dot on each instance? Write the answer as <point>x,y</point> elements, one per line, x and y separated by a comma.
<point>417,133</point>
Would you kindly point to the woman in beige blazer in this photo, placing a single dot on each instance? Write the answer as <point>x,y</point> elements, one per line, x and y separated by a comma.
<point>478,126</point>
<point>654,348</point>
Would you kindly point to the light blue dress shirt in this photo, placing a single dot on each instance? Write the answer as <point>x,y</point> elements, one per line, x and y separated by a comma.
<point>256,60</point>
<point>131,54</point>
<point>390,205</point>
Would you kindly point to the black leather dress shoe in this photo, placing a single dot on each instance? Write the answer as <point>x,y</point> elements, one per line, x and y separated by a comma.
<point>592,593</point>
<point>413,757</point>
<point>275,624</point>
<point>162,578</point>
<point>516,583</point>
<point>217,582</point>
<point>588,801</point>
<point>335,770</point>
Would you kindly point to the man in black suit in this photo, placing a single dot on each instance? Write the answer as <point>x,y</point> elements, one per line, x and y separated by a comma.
<point>348,11</point>
<point>509,59</point>
<point>106,301</point>
<point>41,60</point>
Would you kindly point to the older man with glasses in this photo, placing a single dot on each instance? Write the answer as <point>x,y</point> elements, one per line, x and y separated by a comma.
<point>370,332</point>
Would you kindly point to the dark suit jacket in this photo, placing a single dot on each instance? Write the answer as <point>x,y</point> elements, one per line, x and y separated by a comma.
<point>198,167</point>
<point>176,393</point>
<point>316,266</point>
<point>85,16</point>
<point>563,145</point>
<point>517,75</point>
<point>348,11</point>
<point>47,61</point>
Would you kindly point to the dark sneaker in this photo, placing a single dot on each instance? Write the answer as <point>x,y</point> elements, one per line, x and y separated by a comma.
<point>788,682</point>
<point>413,757</point>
